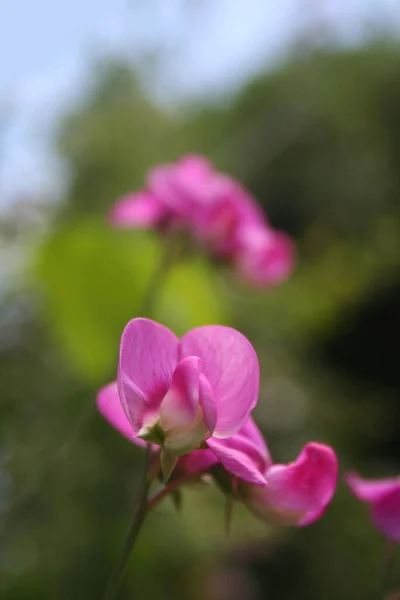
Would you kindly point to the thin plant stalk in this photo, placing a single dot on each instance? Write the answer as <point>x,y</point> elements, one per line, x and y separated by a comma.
<point>139,515</point>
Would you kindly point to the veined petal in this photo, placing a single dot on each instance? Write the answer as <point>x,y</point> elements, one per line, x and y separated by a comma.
<point>245,454</point>
<point>371,490</point>
<point>231,367</point>
<point>148,357</point>
<point>140,209</point>
<point>237,460</point>
<point>308,484</point>
<point>385,514</point>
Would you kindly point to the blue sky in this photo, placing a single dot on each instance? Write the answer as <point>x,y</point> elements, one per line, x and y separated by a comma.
<point>209,46</point>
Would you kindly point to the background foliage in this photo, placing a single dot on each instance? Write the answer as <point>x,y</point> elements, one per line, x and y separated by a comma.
<point>318,142</point>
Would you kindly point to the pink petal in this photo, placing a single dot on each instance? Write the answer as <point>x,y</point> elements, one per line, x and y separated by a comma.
<point>237,461</point>
<point>181,403</point>
<point>207,403</point>
<point>266,257</point>
<point>385,514</point>
<point>308,484</point>
<point>110,407</point>
<point>137,210</point>
<point>148,357</point>
<point>197,461</point>
<point>189,390</point>
<point>252,433</point>
<point>231,367</point>
<point>245,454</point>
<point>311,517</point>
<point>182,184</point>
<point>371,490</point>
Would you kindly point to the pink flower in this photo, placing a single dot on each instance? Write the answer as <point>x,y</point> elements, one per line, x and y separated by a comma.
<point>180,393</point>
<point>217,211</point>
<point>293,494</point>
<point>110,407</point>
<point>383,497</point>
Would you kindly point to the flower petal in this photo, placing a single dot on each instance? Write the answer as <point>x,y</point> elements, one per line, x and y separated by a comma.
<point>231,367</point>
<point>197,461</point>
<point>311,516</point>
<point>110,407</point>
<point>237,461</point>
<point>371,490</point>
<point>266,257</point>
<point>137,210</point>
<point>385,514</point>
<point>181,185</point>
<point>148,357</point>
<point>180,404</point>
<point>253,435</point>
<point>308,484</point>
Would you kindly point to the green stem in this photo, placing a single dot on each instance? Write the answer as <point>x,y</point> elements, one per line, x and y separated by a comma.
<point>115,581</point>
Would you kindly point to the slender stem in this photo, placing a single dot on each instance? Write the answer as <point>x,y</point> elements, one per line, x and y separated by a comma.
<point>138,520</point>
<point>387,571</point>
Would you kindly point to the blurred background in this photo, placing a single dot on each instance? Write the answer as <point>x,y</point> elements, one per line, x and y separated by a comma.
<point>300,100</point>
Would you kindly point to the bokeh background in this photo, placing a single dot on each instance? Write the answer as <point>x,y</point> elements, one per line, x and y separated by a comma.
<point>299,100</point>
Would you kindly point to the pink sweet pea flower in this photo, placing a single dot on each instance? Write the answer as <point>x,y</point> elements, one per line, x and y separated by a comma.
<point>181,393</point>
<point>293,494</point>
<point>110,407</point>
<point>217,211</point>
<point>383,497</point>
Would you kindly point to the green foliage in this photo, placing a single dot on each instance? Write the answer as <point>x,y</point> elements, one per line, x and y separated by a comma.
<point>95,279</point>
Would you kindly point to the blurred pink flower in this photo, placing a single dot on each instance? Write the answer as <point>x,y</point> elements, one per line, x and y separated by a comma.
<point>293,494</point>
<point>383,497</point>
<point>265,256</point>
<point>137,210</point>
<point>180,393</point>
<point>217,211</point>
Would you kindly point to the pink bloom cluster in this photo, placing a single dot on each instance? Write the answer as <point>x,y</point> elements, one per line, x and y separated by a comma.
<point>217,211</point>
<point>193,398</point>
<point>383,498</point>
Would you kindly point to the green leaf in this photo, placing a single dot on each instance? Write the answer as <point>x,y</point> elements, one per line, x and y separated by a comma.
<point>93,279</point>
